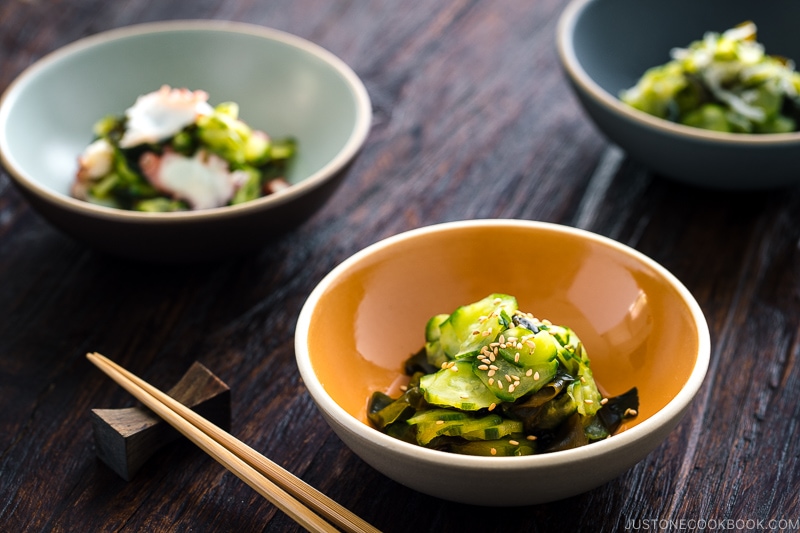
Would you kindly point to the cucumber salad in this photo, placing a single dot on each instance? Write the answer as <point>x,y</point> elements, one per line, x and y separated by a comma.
<point>492,380</point>
<point>173,151</point>
<point>723,82</point>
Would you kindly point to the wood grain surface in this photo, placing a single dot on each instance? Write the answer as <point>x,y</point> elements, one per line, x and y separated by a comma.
<point>473,118</point>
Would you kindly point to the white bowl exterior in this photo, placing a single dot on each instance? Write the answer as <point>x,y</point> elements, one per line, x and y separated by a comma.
<point>501,481</point>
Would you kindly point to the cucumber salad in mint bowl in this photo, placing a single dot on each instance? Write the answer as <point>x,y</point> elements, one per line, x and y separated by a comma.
<point>182,140</point>
<point>705,93</point>
<point>529,363</point>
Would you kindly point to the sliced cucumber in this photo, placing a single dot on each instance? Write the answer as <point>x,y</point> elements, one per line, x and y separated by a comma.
<point>584,392</point>
<point>435,415</point>
<point>444,422</point>
<point>492,362</point>
<point>432,327</point>
<point>505,427</point>
<point>471,327</point>
<point>522,347</point>
<point>508,381</point>
<point>506,447</point>
<point>458,387</point>
<point>433,347</point>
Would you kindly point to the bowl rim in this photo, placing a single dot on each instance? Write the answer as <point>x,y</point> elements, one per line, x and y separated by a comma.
<point>353,145</point>
<point>661,418</point>
<point>565,32</point>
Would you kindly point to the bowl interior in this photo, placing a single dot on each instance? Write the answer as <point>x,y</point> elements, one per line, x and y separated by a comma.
<point>616,41</point>
<point>631,315</point>
<point>284,85</point>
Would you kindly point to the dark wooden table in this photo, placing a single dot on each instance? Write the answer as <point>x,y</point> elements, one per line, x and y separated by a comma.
<point>472,119</point>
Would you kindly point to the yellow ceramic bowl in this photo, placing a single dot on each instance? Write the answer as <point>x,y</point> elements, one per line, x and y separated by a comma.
<point>640,326</point>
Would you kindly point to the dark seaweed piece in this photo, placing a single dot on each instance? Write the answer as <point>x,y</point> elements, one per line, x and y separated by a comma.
<point>545,408</point>
<point>525,322</point>
<point>419,363</point>
<point>617,409</point>
<point>595,429</point>
<point>547,416</point>
<point>549,391</point>
<point>566,436</point>
<point>383,411</point>
<point>378,402</point>
<point>402,431</point>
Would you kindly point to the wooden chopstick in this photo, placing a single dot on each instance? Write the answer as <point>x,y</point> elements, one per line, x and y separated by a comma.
<point>282,488</point>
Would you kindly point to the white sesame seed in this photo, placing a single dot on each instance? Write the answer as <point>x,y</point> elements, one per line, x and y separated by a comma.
<point>494,451</point>
<point>529,373</point>
<point>508,378</point>
<point>531,437</point>
<point>536,376</point>
<point>492,406</point>
<point>491,381</point>
<point>513,442</point>
<point>604,401</point>
<point>439,422</point>
<point>483,367</point>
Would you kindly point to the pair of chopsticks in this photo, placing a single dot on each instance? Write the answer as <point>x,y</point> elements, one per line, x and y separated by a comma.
<point>303,503</point>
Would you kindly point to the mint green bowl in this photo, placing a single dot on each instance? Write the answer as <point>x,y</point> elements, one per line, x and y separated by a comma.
<point>284,85</point>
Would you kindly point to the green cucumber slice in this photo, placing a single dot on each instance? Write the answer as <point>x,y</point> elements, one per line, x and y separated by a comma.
<point>506,447</point>
<point>471,327</point>
<point>458,387</point>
